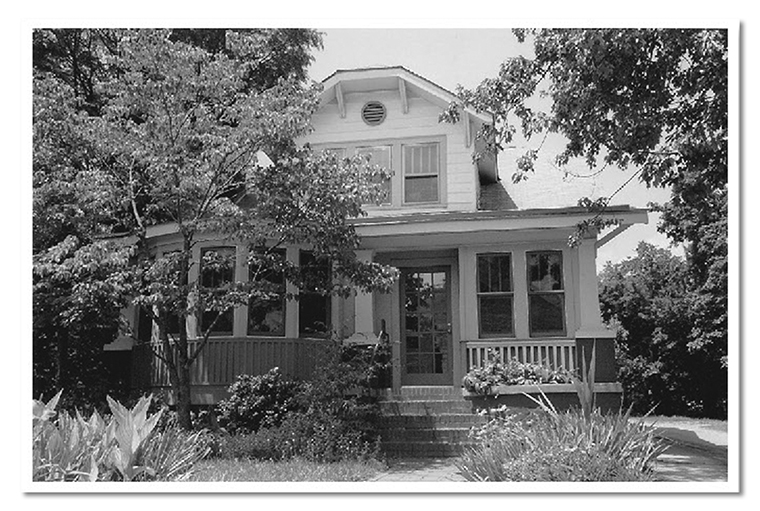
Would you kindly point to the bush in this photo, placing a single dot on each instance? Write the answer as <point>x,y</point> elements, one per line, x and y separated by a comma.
<point>481,380</point>
<point>327,419</point>
<point>547,445</point>
<point>256,402</point>
<point>127,446</point>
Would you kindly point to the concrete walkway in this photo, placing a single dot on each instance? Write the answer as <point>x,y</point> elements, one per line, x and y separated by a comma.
<point>697,453</point>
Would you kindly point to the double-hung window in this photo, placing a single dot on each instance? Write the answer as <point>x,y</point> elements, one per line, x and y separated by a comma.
<point>421,164</point>
<point>495,295</point>
<point>381,157</point>
<point>266,307</point>
<point>217,273</point>
<point>314,310</point>
<point>546,294</point>
<point>415,167</point>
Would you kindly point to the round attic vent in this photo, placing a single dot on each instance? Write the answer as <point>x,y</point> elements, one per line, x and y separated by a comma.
<point>373,113</point>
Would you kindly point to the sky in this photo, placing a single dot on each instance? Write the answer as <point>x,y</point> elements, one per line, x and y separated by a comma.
<point>455,56</point>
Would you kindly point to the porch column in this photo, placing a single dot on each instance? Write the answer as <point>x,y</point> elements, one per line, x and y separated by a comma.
<point>591,331</point>
<point>364,309</point>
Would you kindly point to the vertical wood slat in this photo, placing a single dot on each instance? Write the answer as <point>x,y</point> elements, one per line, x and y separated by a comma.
<point>223,359</point>
<point>552,353</point>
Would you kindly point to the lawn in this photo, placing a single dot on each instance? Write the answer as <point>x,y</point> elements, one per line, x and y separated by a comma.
<point>216,470</point>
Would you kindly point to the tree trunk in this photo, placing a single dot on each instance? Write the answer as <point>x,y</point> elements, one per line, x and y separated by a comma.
<point>182,389</point>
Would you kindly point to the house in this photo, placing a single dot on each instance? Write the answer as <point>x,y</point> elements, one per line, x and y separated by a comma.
<point>478,272</point>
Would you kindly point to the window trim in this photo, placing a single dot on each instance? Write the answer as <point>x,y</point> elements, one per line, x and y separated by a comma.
<point>557,292</point>
<point>479,294</point>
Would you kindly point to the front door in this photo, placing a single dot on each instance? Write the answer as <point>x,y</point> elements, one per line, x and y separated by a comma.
<point>426,326</point>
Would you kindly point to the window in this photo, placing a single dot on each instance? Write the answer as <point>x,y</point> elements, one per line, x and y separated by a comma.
<point>266,309</point>
<point>416,166</point>
<point>380,156</point>
<point>495,295</point>
<point>421,170</point>
<point>217,273</point>
<point>314,301</point>
<point>546,295</point>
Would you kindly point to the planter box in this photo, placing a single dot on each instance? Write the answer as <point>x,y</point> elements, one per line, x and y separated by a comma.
<point>562,396</point>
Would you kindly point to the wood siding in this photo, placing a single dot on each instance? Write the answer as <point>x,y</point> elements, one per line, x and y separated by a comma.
<point>223,359</point>
<point>421,120</point>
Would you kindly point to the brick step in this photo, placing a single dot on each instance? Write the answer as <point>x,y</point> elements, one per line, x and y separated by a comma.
<point>423,449</point>
<point>447,435</point>
<point>432,407</point>
<point>448,420</point>
<point>422,393</point>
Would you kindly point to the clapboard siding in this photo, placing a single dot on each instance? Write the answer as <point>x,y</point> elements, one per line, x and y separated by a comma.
<point>421,121</point>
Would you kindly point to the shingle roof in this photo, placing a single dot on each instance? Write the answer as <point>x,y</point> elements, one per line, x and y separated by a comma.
<point>494,197</point>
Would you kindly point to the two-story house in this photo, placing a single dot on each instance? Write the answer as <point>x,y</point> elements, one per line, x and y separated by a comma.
<point>476,271</point>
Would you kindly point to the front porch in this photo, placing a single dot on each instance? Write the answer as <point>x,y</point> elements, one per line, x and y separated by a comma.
<point>223,359</point>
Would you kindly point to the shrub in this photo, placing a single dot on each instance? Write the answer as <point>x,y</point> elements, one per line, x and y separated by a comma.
<point>256,402</point>
<point>328,418</point>
<point>562,446</point>
<point>127,446</point>
<point>580,444</point>
<point>481,380</point>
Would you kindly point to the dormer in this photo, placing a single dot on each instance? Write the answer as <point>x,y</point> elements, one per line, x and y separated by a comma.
<point>393,114</point>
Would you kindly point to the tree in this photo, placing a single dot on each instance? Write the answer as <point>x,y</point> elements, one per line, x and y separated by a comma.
<point>646,297</point>
<point>652,99</point>
<point>179,142</point>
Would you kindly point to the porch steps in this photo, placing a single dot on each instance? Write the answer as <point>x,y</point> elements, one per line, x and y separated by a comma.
<point>426,422</point>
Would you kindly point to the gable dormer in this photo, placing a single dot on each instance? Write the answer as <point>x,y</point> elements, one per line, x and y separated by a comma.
<point>393,114</point>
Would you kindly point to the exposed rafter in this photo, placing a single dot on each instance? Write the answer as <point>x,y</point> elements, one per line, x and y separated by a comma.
<point>339,97</point>
<point>608,237</point>
<point>402,92</point>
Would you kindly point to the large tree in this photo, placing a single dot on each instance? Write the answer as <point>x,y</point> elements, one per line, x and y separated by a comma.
<point>644,297</point>
<point>653,100</point>
<point>179,140</point>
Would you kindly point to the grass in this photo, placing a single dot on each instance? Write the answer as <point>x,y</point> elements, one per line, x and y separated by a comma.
<point>218,470</point>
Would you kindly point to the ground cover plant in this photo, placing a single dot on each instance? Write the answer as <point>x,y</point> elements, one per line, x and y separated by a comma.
<point>127,445</point>
<point>292,470</point>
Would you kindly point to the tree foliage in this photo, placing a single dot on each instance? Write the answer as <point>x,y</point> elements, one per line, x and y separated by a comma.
<point>650,298</point>
<point>652,99</point>
<point>178,139</point>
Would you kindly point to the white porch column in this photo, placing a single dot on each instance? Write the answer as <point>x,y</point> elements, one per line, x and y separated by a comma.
<point>240,316</point>
<point>364,309</point>
<point>591,325</point>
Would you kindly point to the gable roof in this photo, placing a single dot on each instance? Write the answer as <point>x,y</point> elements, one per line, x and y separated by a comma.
<point>387,77</point>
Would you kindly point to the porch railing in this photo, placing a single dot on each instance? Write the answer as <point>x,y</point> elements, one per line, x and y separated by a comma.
<point>549,353</point>
<point>223,359</point>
